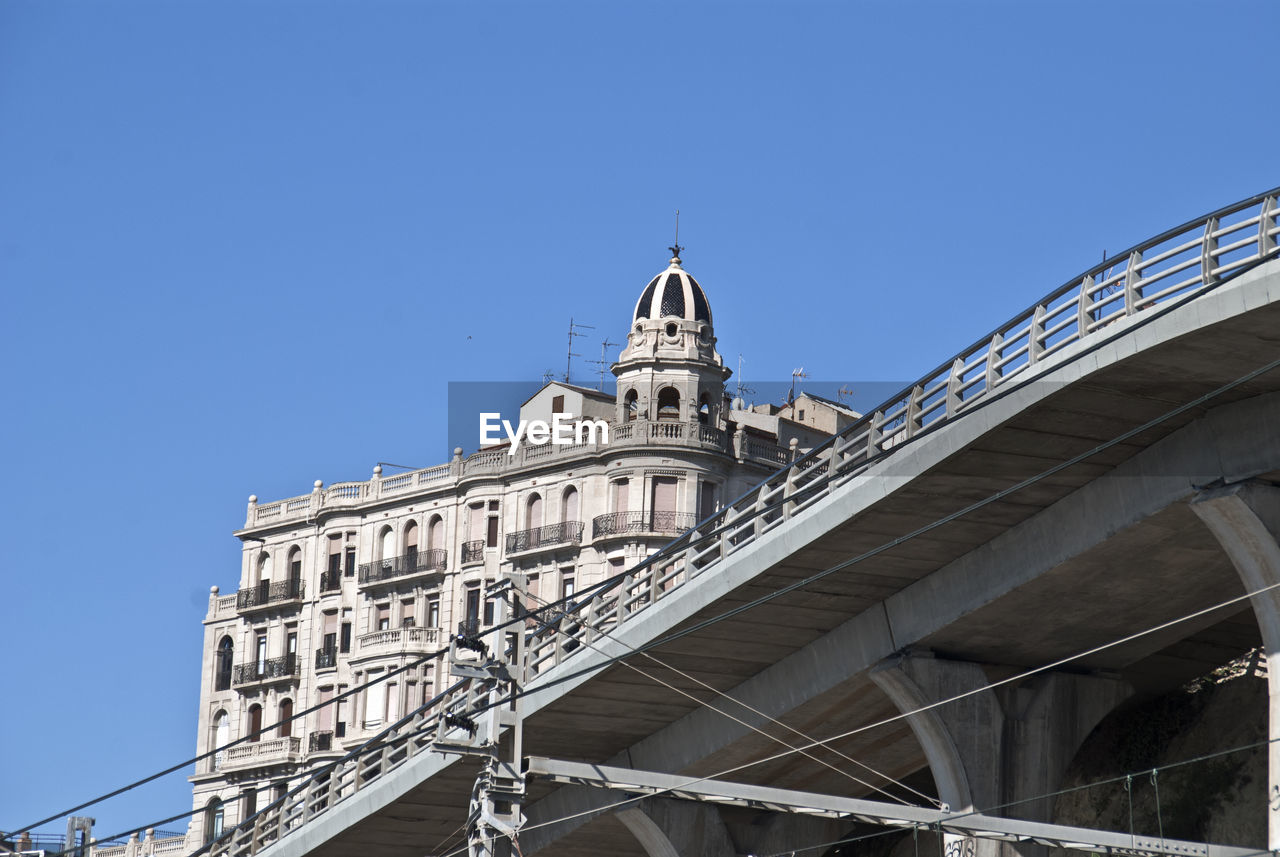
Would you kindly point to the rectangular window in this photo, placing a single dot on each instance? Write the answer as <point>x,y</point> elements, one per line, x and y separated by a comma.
<point>350,568</point>
<point>488,611</point>
<point>407,617</point>
<point>344,642</point>
<point>340,714</point>
<point>382,619</point>
<point>291,642</point>
<point>262,652</point>
<point>491,537</point>
<point>566,585</point>
<point>557,404</point>
<point>433,613</point>
<point>335,564</point>
<point>250,799</point>
<point>473,604</point>
<point>621,502</point>
<point>324,717</point>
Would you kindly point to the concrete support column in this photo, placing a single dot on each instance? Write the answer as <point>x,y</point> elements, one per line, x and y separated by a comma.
<point>995,747</point>
<point>1245,519</point>
<point>672,828</point>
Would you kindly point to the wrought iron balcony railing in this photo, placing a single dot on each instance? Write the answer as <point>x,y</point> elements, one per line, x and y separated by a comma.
<point>626,523</point>
<point>473,551</point>
<point>566,532</point>
<point>413,562</point>
<point>320,742</point>
<point>330,581</point>
<point>282,667</point>
<point>270,592</point>
<point>326,658</point>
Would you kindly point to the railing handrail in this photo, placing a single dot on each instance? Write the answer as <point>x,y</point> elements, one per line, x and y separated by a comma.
<point>798,485</point>
<point>414,562</point>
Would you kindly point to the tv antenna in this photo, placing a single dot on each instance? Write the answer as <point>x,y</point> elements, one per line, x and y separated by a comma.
<point>845,395</point>
<point>574,327</point>
<point>795,374</point>
<point>742,388</point>
<point>676,248</point>
<point>603,362</point>
<point>547,376</point>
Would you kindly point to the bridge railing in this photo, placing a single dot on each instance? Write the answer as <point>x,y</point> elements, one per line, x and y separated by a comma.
<point>1183,262</point>
<point>1186,261</point>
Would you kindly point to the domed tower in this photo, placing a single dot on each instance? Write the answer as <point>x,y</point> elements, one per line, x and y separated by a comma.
<point>670,369</point>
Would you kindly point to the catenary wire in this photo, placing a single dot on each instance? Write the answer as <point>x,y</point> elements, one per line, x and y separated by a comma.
<point>578,598</point>
<point>771,719</point>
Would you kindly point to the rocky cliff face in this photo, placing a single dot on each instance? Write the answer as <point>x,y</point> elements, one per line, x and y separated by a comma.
<point>1220,799</point>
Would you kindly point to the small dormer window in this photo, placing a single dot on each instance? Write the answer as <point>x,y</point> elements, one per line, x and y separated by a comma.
<point>557,404</point>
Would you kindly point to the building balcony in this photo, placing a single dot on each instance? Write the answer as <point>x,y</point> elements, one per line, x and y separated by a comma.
<point>320,742</point>
<point>330,581</point>
<point>268,593</point>
<point>254,754</point>
<point>396,641</point>
<point>413,563</point>
<point>274,669</point>
<point>641,523</point>
<point>326,658</point>
<point>541,538</point>
<point>473,552</point>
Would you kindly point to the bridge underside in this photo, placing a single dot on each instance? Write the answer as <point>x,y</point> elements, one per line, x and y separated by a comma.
<point>1103,575</point>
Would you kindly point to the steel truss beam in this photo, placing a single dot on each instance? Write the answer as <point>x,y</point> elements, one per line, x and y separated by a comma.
<point>870,811</point>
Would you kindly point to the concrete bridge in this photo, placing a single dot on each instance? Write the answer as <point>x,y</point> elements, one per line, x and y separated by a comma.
<point>1106,463</point>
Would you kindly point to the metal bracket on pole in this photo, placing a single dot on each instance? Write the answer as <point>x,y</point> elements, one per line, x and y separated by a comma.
<point>870,811</point>
<point>496,734</point>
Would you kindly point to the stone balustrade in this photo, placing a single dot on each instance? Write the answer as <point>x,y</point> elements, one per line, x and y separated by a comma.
<point>397,641</point>
<point>269,752</point>
<point>500,462</point>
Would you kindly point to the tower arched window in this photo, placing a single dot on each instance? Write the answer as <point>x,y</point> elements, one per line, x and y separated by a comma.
<point>213,818</point>
<point>222,664</point>
<point>255,722</point>
<point>295,563</point>
<point>704,409</point>
<point>668,404</point>
<point>533,514</point>
<point>631,405</point>
<point>286,718</point>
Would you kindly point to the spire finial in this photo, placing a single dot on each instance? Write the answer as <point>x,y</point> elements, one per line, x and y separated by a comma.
<point>676,248</point>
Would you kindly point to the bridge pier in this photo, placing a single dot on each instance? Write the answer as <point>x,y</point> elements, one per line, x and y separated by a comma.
<point>997,746</point>
<point>1245,519</point>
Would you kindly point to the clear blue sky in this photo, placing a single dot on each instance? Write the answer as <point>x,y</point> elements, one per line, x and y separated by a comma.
<point>246,245</point>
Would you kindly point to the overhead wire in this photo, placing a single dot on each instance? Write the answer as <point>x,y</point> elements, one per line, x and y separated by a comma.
<point>584,595</point>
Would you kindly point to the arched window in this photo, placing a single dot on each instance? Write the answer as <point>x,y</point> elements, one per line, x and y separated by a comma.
<point>631,405</point>
<point>295,563</point>
<point>704,408</point>
<point>264,567</point>
<point>222,664</point>
<point>569,505</point>
<point>220,736</point>
<point>411,542</point>
<point>286,713</point>
<point>387,543</point>
<point>668,404</point>
<point>435,533</point>
<point>213,820</point>
<point>255,722</point>
<point>533,512</point>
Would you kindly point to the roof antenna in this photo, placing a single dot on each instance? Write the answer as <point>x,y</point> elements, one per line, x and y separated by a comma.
<point>574,327</point>
<point>676,248</point>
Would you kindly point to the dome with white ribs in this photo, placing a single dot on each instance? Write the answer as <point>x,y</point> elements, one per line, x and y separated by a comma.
<point>673,294</point>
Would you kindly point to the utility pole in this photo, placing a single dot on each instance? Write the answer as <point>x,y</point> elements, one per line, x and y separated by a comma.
<point>501,665</point>
<point>573,331</point>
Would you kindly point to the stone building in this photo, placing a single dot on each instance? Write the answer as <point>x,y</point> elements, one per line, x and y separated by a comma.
<point>355,579</point>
